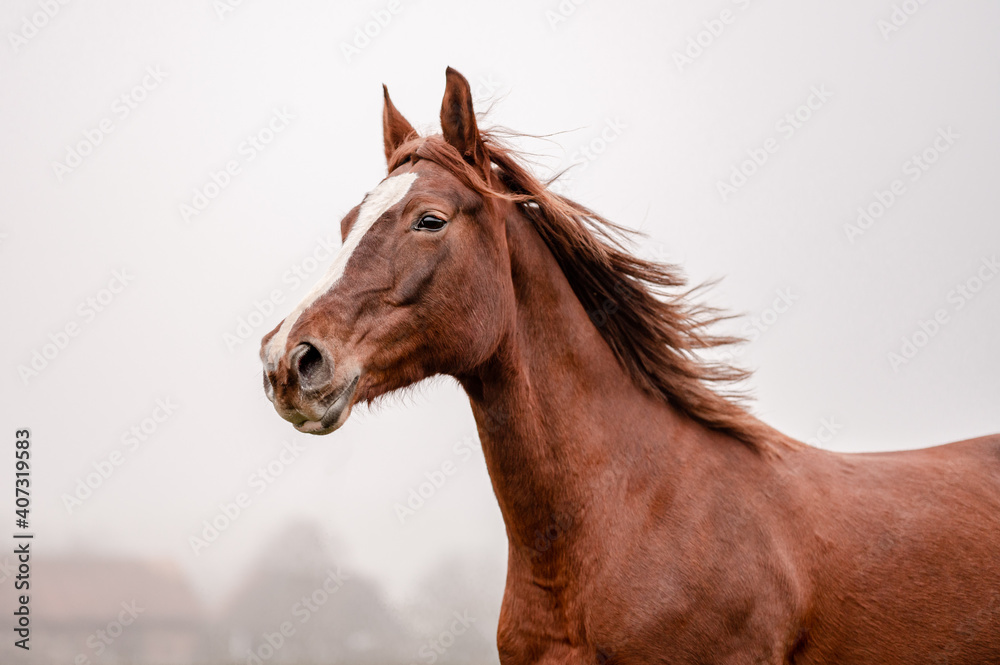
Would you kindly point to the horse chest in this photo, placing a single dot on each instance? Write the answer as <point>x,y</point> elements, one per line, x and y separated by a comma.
<point>643,618</point>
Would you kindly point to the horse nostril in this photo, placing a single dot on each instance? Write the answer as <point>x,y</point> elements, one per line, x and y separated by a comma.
<point>309,364</point>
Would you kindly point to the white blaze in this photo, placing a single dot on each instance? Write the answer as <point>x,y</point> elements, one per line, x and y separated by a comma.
<point>389,192</point>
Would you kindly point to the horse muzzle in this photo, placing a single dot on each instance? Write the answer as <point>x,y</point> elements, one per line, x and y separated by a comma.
<point>308,391</point>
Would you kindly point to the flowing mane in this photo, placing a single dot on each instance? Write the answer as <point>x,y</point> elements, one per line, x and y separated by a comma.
<point>643,309</point>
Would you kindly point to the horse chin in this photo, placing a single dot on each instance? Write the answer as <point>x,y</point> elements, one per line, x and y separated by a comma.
<point>316,426</point>
<point>336,414</point>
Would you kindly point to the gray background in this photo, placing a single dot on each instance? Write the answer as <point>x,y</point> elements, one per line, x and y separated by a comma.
<point>823,366</point>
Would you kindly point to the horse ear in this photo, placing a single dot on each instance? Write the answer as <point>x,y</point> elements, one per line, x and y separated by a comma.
<point>395,128</point>
<point>458,119</point>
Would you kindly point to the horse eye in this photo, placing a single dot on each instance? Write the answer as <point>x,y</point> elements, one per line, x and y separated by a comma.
<point>430,223</point>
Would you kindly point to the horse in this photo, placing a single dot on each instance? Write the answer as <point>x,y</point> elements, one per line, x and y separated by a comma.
<point>650,517</point>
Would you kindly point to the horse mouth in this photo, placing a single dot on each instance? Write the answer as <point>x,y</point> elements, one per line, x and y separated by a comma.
<point>336,414</point>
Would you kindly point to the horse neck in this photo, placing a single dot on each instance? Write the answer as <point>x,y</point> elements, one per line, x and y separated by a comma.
<point>562,425</point>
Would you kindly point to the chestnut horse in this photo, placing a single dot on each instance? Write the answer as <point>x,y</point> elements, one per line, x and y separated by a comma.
<point>650,517</point>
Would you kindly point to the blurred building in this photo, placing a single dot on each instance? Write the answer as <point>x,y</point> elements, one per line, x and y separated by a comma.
<point>94,611</point>
<point>296,605</point>
<point>299,606</point>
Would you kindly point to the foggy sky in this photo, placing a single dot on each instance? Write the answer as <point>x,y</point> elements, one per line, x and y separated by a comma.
<point>653,124</point>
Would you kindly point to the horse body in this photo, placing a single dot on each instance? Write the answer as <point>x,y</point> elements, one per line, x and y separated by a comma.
<point>638,535</point>
<point>649,520</point>
<point>906,551</point>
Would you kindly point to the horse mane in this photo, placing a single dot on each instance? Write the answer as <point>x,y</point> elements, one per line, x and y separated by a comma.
<point>643,309</point>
